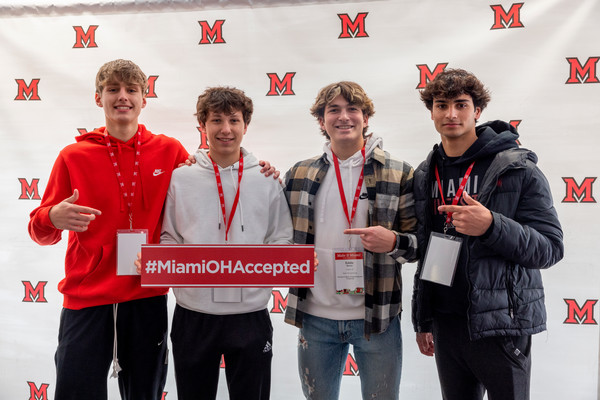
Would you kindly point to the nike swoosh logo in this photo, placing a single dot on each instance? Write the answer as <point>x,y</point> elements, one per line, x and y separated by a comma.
<point>157,172</point>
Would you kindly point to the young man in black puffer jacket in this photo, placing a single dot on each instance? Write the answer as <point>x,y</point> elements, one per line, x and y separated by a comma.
<point>482,197</point>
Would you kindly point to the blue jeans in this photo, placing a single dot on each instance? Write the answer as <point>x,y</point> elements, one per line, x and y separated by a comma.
<point>323,349</point>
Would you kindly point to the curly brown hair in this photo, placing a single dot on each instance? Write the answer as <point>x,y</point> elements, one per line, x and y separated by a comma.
<point>451,83</point>
<point>223,99</point>
<point>351,91</point>
<point>122,71</point>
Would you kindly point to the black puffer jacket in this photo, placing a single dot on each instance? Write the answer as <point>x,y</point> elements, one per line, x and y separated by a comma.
<point>506,294</point>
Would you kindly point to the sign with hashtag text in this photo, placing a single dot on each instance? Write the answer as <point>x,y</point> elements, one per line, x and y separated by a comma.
<point>190,265</point>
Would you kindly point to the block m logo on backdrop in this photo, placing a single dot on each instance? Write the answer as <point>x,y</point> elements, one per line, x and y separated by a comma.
<point>151,94</point>
<point>426,75</point>
<point>36,393</point>
<point>280,87</point>
<point>351,367</point>
<point>583,73</point>
<point>279,302</point>
<point>507,19</point>
<point>579,193</point>
<point>27,92</point>
<point>85,39</point>
<point>353,29</point>
<point>212,34</point>
<point>34,294</point>
<point>583,315</point>
<point>29,191</point>
<point>203,139</point>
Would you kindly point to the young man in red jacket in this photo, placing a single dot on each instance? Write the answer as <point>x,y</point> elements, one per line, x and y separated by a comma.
<point>108,191</point>
<point>104,189</point>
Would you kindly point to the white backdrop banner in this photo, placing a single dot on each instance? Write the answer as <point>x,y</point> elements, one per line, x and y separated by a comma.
<point>540,59</point>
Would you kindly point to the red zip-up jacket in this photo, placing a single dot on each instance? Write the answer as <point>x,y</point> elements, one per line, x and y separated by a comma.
<point>91,263</point>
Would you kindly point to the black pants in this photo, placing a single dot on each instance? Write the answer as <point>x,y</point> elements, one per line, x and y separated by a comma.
<point>245,342</point>
<point>85,350</point>
<point>501,365</point>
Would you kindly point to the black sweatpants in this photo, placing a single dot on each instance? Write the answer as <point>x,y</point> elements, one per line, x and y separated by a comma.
<point>501,365</point>
<point>244,340</point>
<point>85,350</point>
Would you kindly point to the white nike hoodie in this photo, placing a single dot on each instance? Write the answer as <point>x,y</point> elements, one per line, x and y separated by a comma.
<point>193,216</point>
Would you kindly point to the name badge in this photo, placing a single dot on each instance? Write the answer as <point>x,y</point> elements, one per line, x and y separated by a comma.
<point>441,258</point>
<point>227,295</point>
<point>129,244</point>
<point>349,271</point>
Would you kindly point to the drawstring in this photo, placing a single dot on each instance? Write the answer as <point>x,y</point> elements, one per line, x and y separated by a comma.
<point>116,366</point>
<point>220,220</point>
<point>234,179</point>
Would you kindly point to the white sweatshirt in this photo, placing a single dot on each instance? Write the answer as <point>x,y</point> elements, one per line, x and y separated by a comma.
<point>330,221</point>
<point>193,216</point>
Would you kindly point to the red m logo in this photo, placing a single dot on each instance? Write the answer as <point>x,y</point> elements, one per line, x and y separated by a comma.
<point>353,29</point>
<point>582,74</point>
<point>510,19</point>
<point>579,193</point>
<point>351,367</point>
<point>281,87</point>
<point>85,39</point>
<point>279,302</point>
<point>203,140</point>
<point>515,123</point>
<point>426,75</point>
<point>29,191</point>
<point>34,294</point>
<point>38,394</point>
<point>580,315</point>
<point>27,92</point>
<point>214,34</point>
<point>152,87</point>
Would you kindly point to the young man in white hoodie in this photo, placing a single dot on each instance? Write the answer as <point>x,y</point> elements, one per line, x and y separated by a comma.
<point>246,209</point>
<point>357,295</point>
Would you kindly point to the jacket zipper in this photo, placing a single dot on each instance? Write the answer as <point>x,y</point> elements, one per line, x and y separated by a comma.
<point>468,256</point>
<point>510,291</point>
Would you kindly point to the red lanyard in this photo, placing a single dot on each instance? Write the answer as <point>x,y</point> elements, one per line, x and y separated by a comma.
<point>222,195</point>
<point>128,197</point>
<point>458,194</point>
<point>338,175</point>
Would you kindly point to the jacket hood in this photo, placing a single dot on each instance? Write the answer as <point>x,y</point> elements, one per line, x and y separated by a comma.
<point>97,135</point>
<point>372,142</point>
<point>202,159</point>
<point>492,138</point>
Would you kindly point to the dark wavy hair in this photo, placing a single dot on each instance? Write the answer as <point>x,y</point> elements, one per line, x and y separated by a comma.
<point>223,99</point>
<point>452,83</point>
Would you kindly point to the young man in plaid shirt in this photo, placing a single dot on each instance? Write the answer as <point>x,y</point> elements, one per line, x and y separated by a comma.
<point>360,216</point>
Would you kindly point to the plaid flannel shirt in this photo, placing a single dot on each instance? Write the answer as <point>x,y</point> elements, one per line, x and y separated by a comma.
<point>389,186</point>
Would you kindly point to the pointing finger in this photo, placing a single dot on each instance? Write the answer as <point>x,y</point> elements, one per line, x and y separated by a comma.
<point>355,231</point>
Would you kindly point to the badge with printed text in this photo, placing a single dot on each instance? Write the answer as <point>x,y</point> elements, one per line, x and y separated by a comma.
<point>441,258</point>
<point>129,244</point>
<point>349,272</point>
